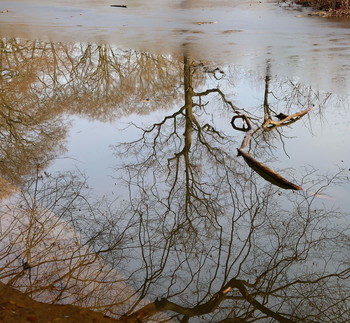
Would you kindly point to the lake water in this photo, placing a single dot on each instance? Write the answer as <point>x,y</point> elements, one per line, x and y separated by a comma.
<point>116,124</point>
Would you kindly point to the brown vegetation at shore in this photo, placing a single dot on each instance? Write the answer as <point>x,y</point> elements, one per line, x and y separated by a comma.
<point>335,8</point>
<point>326,4</point>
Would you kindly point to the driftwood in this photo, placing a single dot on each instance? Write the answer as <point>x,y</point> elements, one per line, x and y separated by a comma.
<point>268,124</point>
<point>118,6</point>
<point>284,119</point>
<point>264,171</point>
<point>267,173</point>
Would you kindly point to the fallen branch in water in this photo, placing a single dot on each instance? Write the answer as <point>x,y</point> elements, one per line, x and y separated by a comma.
<point>269,124</point>
<point>264,171</point>
<point>118,6</point>
<point>267,173</point>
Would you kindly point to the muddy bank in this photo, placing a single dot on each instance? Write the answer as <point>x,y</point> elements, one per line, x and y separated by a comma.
<point>16,307</point>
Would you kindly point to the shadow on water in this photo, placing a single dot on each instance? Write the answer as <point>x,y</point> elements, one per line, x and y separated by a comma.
<point>199,237</point>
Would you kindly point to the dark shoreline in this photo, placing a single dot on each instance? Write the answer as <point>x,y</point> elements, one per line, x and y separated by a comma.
<point>331,13</point>
<point>324,9</point>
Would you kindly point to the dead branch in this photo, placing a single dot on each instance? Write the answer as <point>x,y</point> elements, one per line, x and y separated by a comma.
<point>269,123</point>
<point>267,173</point>
<point>264,171</point>
<point>165,305</point>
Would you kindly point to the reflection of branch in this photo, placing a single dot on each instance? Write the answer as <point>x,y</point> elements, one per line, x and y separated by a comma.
<point>241,286</point>
<point>345,274</point>
<point>245,119</point>
<point>165,305</point>
<point>223,96</point>
<point>159,125</point>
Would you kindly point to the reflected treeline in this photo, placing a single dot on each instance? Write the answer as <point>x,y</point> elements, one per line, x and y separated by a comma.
<point>42,82</point>
<point>30,125</point>
<point>98,81</point>
<point>201,238</point>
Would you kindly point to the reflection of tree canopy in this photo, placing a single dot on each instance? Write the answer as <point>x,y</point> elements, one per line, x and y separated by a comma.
<point>30,127</point>
<point>41,81</point>
<point>199,238</point>
<point>94,80</point>
<point>106,81</point>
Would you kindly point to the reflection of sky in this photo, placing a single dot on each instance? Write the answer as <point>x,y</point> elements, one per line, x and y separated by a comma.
<point>89,152</point>
<point>325,148</point>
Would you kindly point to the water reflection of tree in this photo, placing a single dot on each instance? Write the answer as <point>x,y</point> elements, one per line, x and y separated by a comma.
<point>258,259</point>
<point>94,80</point>
<point>198,239</point>
<point>215,243</point>
<point>41,82</point>
<point>30,127</point>
<point>107,82</point>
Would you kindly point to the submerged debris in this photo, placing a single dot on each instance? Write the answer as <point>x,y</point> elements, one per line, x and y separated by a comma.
<point>204,22</point>
<point>267,173</point>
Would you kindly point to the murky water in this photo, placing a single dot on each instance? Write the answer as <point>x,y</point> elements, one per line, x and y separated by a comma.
<point>120,178</point>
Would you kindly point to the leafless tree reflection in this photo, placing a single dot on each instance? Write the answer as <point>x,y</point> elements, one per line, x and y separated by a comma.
<point>31,131</point>
<point>216,246</point>
<point>43,82</point>
<point>200,239</point>
<point>257,261</point>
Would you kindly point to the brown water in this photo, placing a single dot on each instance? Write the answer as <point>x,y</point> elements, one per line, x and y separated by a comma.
<point>119,161</point>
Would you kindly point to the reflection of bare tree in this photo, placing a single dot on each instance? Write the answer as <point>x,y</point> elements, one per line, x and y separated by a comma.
<point>30,129</point>
<point>198,239</point>
<point>51,245</point>
<point>107,82</point>
<point>184,172</point>
<point>42,81</point>
<point>214,244</point>
<point>259,260</point>
<point>98,81</point>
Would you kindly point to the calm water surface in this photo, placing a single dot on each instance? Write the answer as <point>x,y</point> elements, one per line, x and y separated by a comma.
<point>120,178</point>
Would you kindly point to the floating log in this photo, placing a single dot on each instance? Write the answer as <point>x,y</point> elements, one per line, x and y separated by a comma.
<point>118,6</point>
<point>267,173</point>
